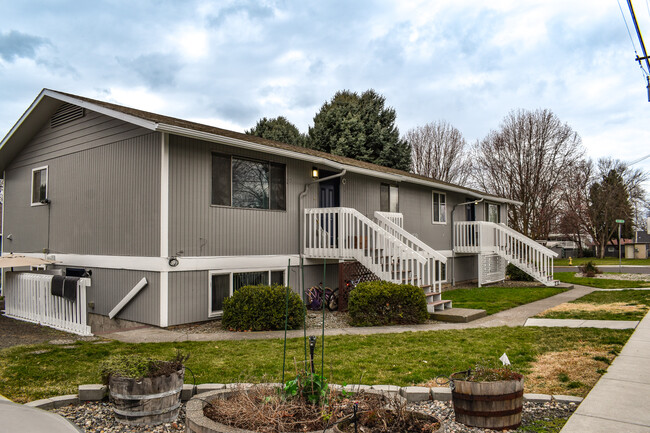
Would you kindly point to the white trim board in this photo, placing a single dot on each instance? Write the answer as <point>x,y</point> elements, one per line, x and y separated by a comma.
<point>161,264</point>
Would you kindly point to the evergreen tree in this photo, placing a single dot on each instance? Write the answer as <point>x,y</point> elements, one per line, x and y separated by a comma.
<point>360,127</point>
<point>278,129</point>
<point>609,200</point>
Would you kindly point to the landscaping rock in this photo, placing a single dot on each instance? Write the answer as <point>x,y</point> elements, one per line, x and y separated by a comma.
<point>207,387</point>
<point>415,393</point>
<point>537,398</point>
<point>93,392</point>
<point>386,389</point>
<point>441,394</point>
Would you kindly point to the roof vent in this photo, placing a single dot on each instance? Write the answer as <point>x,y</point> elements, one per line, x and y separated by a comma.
<point>66,113</point>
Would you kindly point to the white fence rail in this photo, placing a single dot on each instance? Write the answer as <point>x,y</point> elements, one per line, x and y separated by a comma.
<point>345,233</point>
<point>28,297</point>
<point>485,237</point>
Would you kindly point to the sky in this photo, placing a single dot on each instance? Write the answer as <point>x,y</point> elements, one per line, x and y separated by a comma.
<point>229,63</point>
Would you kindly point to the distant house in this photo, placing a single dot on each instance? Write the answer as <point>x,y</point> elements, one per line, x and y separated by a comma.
<point>172,216</point>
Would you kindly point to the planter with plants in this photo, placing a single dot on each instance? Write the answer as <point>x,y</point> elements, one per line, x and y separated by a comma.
<point>144,391</point>
<point>488,397</point>
<point>305,404</point>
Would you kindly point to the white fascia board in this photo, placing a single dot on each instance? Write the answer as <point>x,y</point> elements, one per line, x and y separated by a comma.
<point>186,132</point>
<point>161,264</point>
<point>147,124</point>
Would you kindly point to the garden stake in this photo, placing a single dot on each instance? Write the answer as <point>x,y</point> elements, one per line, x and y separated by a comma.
<point>355,416</point>
<point>286,317</point>
<point>312,346</point>
<point>322,349</point>
<point>304,316</point>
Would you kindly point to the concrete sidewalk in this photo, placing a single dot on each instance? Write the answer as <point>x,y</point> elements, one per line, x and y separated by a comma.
<point>620,401</point>
<point>580,323</point>
<point>514,317</point>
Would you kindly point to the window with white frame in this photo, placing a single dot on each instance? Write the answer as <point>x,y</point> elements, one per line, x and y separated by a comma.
<point>439,211</point>
<point>39,185</point>
<point>493,212</point>
<point>223,284</point>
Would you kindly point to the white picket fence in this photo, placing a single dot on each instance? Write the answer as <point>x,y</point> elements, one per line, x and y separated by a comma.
<point>28,297</point>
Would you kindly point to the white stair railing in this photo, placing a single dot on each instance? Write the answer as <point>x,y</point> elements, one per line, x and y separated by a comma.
<point>387,221</point>
<point>486,237</point>
<point>345,233</point>
<point>28,297</point>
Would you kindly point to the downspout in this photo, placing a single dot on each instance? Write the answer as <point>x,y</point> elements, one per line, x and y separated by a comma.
<point>301,196</point>
<point>453,231</point>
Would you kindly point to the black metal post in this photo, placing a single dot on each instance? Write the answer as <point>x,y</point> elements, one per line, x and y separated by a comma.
<point>312,346</point>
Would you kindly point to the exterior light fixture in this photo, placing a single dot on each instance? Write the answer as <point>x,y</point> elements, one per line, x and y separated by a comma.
<point>173,262</point>
<point>314,173</point>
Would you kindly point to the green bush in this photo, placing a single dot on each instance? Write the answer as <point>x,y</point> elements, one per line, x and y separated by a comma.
<point>589,269</point>
<point>261,308</point>
<point>516,274</point>
<point>383,303</point>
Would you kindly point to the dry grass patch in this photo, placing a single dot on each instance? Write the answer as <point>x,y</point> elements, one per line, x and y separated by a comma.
<point>616,308</point>
<point>571,372</point>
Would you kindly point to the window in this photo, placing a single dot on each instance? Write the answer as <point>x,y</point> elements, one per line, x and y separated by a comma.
<point>39,185</point>
<point>439,210</point>
<point>442,273</point>
<point>247,183</point>
<point>493,212</point>
<point>388,198</point>
<point>222,285</point>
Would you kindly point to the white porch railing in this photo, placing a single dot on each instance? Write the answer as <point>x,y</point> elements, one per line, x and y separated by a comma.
<point>387,221</point>
<point>28,297</point>
<point>482,237</point>
<point>396,218</point>
<point>345,233</point>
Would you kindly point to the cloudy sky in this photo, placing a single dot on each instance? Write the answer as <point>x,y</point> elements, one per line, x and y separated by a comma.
<point>228,63</point>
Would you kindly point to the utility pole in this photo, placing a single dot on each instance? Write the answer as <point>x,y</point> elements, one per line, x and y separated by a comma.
<point>645,54</point>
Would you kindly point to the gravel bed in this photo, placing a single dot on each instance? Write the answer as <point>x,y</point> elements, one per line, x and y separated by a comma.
<point>628,277</point>
<point>98,417</point>
<point>532,412</point>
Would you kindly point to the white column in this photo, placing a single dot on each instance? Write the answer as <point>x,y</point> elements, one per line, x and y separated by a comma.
<point>164,227</point>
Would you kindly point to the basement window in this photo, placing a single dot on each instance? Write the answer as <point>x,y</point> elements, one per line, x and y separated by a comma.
<point>39,186</point>
<point>224,284</point>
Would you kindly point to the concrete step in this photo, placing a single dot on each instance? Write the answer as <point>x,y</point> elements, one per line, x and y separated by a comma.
<point>458,315</point>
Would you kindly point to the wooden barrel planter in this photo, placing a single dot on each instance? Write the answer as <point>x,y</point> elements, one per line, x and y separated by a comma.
<point>147,401</point>
<point>495,405</point>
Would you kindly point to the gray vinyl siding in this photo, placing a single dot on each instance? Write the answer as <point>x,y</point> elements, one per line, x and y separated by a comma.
<point>105,195</point>
<point>110,286</point>
<point>91,131</point>
<point>198,229</point>
<point>188,293</point>
<point>188,297</point>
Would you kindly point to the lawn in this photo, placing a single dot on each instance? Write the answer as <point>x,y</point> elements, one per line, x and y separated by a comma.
<point>601,262</point>
<point>619,305</point>
<point>39,371</point>
<point>495,299</point>
<point>569,277</point>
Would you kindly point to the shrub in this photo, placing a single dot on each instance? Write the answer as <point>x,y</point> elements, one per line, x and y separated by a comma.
<point>589,269</point>
<point>261,308</point>
<point>516,274</point>
<point>136,366</point>
<point>385,303</point>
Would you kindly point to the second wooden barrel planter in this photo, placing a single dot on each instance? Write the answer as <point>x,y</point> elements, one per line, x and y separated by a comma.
<point>494,404</point>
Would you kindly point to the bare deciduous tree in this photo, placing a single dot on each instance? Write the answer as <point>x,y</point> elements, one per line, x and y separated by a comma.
<point>439,151</point>
<point>574,207</point>
<point>528,159</point>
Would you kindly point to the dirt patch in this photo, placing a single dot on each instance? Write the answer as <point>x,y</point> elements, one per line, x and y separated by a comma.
<point>572,372</point>
<point>16,332</point>
<point>615,308</point>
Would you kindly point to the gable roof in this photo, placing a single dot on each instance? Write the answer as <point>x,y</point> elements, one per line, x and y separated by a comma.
<point>49,100</point>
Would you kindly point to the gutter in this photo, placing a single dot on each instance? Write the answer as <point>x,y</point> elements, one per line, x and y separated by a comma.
<point>177,130</point>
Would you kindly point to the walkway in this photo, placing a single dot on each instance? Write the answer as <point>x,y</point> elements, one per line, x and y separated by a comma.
<point>580,323</point>
<point>514,317</point>
<point>620,401</point>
